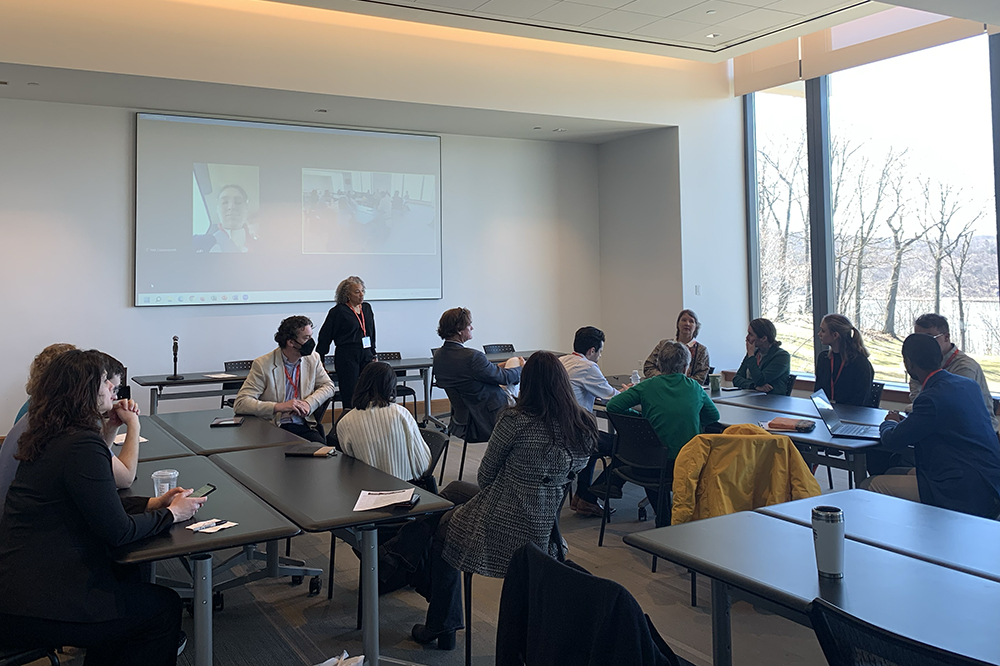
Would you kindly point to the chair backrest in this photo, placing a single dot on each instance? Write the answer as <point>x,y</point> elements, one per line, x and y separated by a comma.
<point>848,641</point>
<point>232,366</point>
<point>875,397</point>
<point>498,349</point>
<point>388,356</point>
<point>791,384</point>
<point>637,444</point>
<point>436,442</point>
<point>462,423</point>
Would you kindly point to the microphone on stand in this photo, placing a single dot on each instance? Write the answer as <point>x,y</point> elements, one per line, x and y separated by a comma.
<point>175,377</point>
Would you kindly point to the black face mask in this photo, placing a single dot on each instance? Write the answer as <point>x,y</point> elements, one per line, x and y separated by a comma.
<point>307,347</point>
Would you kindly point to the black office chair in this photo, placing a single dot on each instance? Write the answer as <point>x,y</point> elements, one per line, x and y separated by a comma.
<point>402,390</point>
<point>463,426</point>
<point>711,371</point>
<point>848,641</point>
<point>637,449</point>
<point>21,656</point>
<point>498,349</point>
<point>875,397</point>
<point>791,384</point>
<point>124,390</point>
<point>233,366</point>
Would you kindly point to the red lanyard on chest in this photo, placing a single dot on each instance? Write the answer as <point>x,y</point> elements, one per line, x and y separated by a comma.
<point>950,359</point>
<point>361,320</point>
<point>293,379</point>
<point>834,380</point>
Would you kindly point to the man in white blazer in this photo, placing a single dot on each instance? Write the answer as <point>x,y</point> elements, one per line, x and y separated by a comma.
<point>288,384</point>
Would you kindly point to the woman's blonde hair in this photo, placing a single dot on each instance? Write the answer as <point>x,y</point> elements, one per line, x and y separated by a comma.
<point>852,345</point>
<point>345,284</point>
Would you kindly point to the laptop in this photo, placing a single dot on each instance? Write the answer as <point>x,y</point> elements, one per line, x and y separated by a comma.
<point>837,427</point>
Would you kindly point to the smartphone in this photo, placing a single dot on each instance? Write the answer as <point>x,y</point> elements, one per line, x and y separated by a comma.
<point>413,501</point>
<point>204,491</point>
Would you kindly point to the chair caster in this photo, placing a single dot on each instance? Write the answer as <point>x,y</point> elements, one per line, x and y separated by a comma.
<point>218,601</point>
<point>296,580</point>
<point>315,586</point>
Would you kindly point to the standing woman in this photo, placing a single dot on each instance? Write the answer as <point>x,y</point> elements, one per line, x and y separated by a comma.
<point>350,325</point>
<point>766,365</point>
<point>843,371</point>
<point>62,517</point>
<point>688,328</point>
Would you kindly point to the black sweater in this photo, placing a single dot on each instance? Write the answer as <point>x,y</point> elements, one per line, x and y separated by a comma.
<point>343,329</point>
<point>852,385</point>
<point>62,516</point>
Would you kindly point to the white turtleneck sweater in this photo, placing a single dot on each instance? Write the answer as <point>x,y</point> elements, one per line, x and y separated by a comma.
<point>386,438</point>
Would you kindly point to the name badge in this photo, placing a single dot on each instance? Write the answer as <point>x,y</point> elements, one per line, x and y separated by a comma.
<point>366,342</point>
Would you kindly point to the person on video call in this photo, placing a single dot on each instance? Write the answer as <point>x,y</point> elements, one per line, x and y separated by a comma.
<point>232,232</point>
<point>350,327</point>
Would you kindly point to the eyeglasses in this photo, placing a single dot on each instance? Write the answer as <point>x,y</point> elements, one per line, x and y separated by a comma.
<point>937,336</point>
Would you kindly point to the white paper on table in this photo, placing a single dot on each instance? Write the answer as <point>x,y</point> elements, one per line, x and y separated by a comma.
<point>211,530</point>
<point>221,375</point>
<point>120,439</point>
<point>376,499</point>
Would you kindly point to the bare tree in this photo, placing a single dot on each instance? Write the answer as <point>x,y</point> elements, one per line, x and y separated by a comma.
<point>900,245</point>
<point>940,209</point>
<point>957,260</point>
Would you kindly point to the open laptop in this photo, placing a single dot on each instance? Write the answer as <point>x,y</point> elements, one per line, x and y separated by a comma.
<point>838,428</point>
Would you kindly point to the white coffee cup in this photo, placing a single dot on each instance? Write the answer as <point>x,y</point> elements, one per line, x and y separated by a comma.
<point>163,480</point>
<point>828,538</point>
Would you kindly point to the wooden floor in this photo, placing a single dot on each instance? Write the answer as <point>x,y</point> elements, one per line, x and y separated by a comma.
<point>271,622</point>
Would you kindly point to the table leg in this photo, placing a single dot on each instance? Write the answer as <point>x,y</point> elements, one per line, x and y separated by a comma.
<point>425,375</point>
<point>202,609</point>
<point>154,398</point>
<point>369,592</point>
<point>722,637</point>
<point>860,468</point>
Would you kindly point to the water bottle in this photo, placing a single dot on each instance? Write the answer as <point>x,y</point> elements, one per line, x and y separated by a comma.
<point>635,377</point>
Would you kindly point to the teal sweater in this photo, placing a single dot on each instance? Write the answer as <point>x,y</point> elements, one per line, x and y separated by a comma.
<point>773,370</point>
<point>676,406</point>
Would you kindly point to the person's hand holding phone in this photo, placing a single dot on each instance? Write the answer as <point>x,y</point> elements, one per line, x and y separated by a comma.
<point>182,505</point>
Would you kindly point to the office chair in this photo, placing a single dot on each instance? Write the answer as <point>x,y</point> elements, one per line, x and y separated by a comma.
<point>504,348</point>
<point>875,397</point>
<point>401,390</point>
<point>233,366</point>
<point>791,384</point>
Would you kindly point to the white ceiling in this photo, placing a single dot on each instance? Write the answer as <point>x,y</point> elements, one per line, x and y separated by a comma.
<point>987,11</point>
<point>48,84</point>
<point>698,28</point>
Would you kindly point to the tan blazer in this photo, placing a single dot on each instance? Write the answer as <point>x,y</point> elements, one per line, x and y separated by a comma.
<point>265,386</point>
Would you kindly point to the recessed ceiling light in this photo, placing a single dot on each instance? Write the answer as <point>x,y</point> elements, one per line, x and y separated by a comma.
<point>710,11</point>
<point>3,83</point>
<point>32,83</point>
<point>537,128</point>
<point>713,35</point>
<point>320,110</point>
<point>559,129</point>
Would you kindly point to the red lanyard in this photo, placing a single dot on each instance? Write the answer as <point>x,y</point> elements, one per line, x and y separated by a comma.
<point>758,357</point>
<point>293,380</point>
<point>361,319</point>
<point>834,380</point>
<point>928,377</point>
<point>950,359</point>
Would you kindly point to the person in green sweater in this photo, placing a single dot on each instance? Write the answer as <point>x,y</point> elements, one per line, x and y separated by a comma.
<point>675,405</point>
<point>766,365</point>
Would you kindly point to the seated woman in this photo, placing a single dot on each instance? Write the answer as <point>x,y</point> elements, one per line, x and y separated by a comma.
<point>674,404</point>
<point>62,516</point>
<point>688,328</point>
<point>380,432</point>
<point>534,453</point>
<point>766,365</point>
<point>843,370</point>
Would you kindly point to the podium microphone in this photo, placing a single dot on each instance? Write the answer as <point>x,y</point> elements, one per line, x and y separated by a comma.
<point>175,377</point>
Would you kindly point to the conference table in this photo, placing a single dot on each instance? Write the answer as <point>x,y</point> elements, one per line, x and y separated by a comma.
<point>231,501</point>
<point>192,429</point>
<point>159,444</point>
<point>319,495</point>
<point>795,406</point>
<point>946,538</point>
<point>770,562</point>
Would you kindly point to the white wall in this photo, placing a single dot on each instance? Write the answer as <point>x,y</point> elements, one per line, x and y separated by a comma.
<point>520,228</point>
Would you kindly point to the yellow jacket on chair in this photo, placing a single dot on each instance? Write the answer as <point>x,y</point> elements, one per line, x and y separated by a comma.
<point>742,469</point>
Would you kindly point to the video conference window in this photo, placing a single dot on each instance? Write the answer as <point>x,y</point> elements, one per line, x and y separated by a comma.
<point>247,212</point>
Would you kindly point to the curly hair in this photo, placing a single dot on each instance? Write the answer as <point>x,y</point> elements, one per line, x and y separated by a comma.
<point>547,394</point>
<point>345,284</point>
<point>42,361</point>
<point>64,401</point>
<point>453,321</point>
<point>289,329</point>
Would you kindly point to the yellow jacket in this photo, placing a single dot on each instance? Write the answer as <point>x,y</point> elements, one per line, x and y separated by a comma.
<point>742,469</point>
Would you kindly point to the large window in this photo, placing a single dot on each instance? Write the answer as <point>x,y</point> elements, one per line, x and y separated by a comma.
<point>912,202</point>
<point>783,219</point>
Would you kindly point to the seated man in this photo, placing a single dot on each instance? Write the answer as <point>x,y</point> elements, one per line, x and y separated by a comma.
<point>956,448</point>
<point>470,374</point>
<point>288,384</point>
<point>589,384</point>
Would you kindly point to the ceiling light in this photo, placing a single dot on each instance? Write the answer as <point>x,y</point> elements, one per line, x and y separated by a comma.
<point>710,11</point>
<point>320,110</point>
<point>32,83</point>
<point>713,35</point>
<point>536,128</point>
<point>3,83</point>
<point>559,129</point>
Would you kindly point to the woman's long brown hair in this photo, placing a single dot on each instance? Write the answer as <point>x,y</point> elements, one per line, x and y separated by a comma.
<point>546,394</point>
<point>64,401</point>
